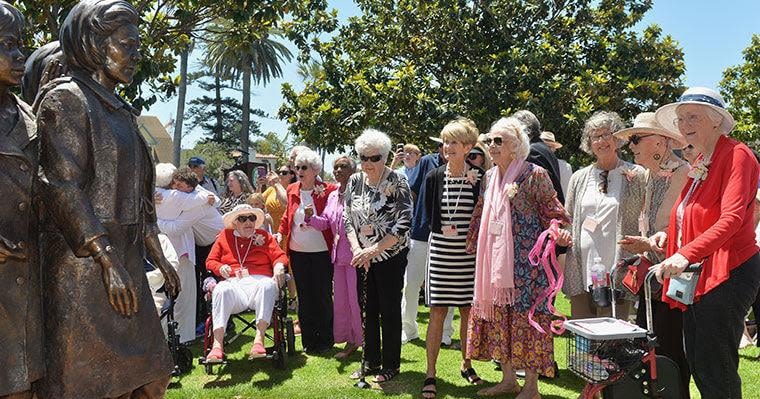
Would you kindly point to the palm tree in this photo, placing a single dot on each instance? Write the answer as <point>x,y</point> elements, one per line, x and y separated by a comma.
<point>239,51</point>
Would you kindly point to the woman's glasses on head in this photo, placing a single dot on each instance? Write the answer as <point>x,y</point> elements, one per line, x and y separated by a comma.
<point>497,141</point>
<point>245,218</point>
<point>371,158</point>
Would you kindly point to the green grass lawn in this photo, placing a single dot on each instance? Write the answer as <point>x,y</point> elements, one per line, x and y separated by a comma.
<point>325,377</point>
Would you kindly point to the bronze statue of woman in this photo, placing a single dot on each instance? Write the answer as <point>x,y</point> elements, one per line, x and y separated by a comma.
<point>21,353</point>
<point>101,342</point>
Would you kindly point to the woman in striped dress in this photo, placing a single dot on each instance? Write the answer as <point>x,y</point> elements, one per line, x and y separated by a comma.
<point>452,190</point>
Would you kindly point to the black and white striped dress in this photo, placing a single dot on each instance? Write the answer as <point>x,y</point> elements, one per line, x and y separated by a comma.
<point>450,277</point>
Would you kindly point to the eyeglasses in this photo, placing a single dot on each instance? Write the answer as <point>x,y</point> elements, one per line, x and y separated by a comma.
<point>285,172</point>
<point>302,167</point>
<point>473,156</point>
<point>688,118</point>
<point>636,139</point>
<point>497,141</point>
<point>603,136</point>
<point>245,218</point>
<point>371,158</point>
<point>605,181</point>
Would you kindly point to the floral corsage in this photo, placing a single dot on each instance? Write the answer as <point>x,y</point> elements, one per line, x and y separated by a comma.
<point>699,171</point>
<point>629,174</point>
<point>667,168</point>
<point>472,176</point>
<point>259,239</point>
<point>319,190</point>
<point>512,190</point>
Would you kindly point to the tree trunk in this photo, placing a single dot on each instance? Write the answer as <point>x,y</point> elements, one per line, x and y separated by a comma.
<point>180,106</point>
<point>218,129</point>
<point>246,120</point>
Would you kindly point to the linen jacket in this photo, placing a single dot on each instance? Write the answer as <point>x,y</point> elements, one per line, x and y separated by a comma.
<point>21,342</point>
<point>294,201</point>
<point>434,183</point>
<point>718,221</point>
<point>631,202</point>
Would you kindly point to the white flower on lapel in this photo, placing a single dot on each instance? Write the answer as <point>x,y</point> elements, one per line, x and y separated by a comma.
<point>629,174</point>
<point>472,176</point>
<point>512,190</point>
<point>699,171</point>
<point>319,190</point>
<point>259,240</point>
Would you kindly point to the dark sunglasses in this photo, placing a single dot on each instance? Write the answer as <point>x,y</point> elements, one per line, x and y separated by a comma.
<point>302,167</point>
<point>285,172</point>
<point>474,155</point>
<point>636,139</point>
<point>497,141</point>
<point>372,158</point>
<point>244,218</point>
<point>605,181</point>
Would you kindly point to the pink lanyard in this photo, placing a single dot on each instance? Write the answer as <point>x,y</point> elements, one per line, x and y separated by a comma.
<point>548,259</point>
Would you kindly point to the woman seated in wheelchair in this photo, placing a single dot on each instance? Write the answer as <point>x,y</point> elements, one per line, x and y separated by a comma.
<point>252,266</point>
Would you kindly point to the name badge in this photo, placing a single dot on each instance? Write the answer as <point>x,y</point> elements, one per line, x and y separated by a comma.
<point>366,230</point>
<point>495,227</point>
<point>449,231</point>
<point>244,272</point>
<point>590,224</point>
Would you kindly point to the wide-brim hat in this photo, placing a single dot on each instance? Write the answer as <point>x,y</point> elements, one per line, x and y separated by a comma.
<point>647,123</point>
<point>549,140</point>
<point>242,209</point>
<point>700,96</point>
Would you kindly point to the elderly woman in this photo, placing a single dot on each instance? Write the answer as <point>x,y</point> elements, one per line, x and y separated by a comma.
<point>236,192</point>
<point>252,267</point>
<point>347,323</point>
<point>518,204</point>
<point>452,190</point>
<point>309,251</point>
<point>605,201</point>
<point>102,342</point>
<point>378,214</point>
<point>712,222</point>
<point>665,175</point>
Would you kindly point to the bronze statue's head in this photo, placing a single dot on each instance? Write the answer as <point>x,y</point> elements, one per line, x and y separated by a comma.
<point>38,69</point>
<point>101,37</point>
<point>11,57</point>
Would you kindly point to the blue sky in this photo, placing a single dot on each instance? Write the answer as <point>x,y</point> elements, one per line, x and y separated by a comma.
<point>712,33</point>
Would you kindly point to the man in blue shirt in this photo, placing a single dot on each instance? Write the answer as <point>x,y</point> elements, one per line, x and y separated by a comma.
<point>418,251</point>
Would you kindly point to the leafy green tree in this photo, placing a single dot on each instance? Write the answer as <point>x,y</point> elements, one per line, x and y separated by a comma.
<point>271,144</point>
<point>409,66</point>
<point>241,53</point>
<point>217,158</point>
<point>740,87</point>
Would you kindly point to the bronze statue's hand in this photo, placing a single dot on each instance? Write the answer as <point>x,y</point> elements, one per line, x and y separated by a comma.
<point>171,279</point>
<point>54,69</point>
<point>118,283</point>
<point>10,251</point>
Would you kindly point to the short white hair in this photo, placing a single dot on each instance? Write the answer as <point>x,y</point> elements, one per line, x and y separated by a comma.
<point>164,172</point>
<point>513,127</point>
<point>297,150</point>
<point>310,158</point>
<point>373,139</point>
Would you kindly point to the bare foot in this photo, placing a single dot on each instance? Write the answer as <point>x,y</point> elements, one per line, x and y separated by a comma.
<point>499,389</point>
<point>348,350</point>
<point>528,393</point>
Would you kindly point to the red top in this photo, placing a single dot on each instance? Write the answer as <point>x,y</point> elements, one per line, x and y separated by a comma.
<point>261,257</point>
<point>718,223</point>
<point>294,201</point>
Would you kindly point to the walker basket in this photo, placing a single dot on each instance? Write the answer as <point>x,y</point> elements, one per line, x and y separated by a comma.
<point>603,349</point>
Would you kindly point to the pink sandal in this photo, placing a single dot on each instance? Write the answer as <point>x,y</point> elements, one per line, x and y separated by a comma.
<point>215,356</point>
<point>257,351</point>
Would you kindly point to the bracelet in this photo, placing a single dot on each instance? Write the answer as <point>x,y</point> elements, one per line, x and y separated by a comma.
<point>101,252</point>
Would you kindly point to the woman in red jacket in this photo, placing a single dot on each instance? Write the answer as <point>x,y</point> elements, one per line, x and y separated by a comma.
<point>309,252</point>
<point>253,267</point>
<point>712,222</point>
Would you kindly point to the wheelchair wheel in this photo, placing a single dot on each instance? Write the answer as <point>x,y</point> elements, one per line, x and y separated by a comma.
<point>280,356</point>
<point>290,337</point>
<point>184,359</point>
<point>209,369</point>
<point>635,385</point>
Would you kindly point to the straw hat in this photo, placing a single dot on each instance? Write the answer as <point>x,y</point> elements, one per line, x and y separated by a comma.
<point>700,96</point>
<point>647,123</point>
<point>242,209</point>
<point>436,139</point>
<point>548,139</point>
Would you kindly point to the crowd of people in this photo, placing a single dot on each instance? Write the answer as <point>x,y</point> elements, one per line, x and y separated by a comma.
<point>459,224</point>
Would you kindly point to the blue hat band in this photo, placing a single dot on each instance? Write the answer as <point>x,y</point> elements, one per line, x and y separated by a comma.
<point>702,99</point>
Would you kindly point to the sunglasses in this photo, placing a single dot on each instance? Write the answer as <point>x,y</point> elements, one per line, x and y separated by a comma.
<point>497,141</point>
<point>605,181</point>
<point>371,158</point>
<point>285,172</point>
<point>636,139</point>
<point>474,155</point>
<point>245,218</point>
<point>302,167</point>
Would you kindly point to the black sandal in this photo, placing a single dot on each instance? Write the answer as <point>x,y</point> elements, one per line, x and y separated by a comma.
<point>370,371</point>
<point>386,375</point>
<point>471,376</point>
<point>428,382</point>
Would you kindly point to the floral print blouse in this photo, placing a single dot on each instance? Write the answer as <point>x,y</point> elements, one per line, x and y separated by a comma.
<point>374,212</point>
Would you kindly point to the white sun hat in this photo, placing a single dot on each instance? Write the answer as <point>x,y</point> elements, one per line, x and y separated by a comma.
<point>704,96</point>
<point>242,209</point>
<point>646,123</point>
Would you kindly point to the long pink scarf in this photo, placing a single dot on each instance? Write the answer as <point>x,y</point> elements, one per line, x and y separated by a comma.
<point>495,268</point>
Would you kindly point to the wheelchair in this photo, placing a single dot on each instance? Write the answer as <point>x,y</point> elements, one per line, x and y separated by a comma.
<point>280,332</point>
<point>181,355</point>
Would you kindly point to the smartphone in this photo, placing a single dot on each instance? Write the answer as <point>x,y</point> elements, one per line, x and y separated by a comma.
<point>399,147</point>
<point>261,171</point>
